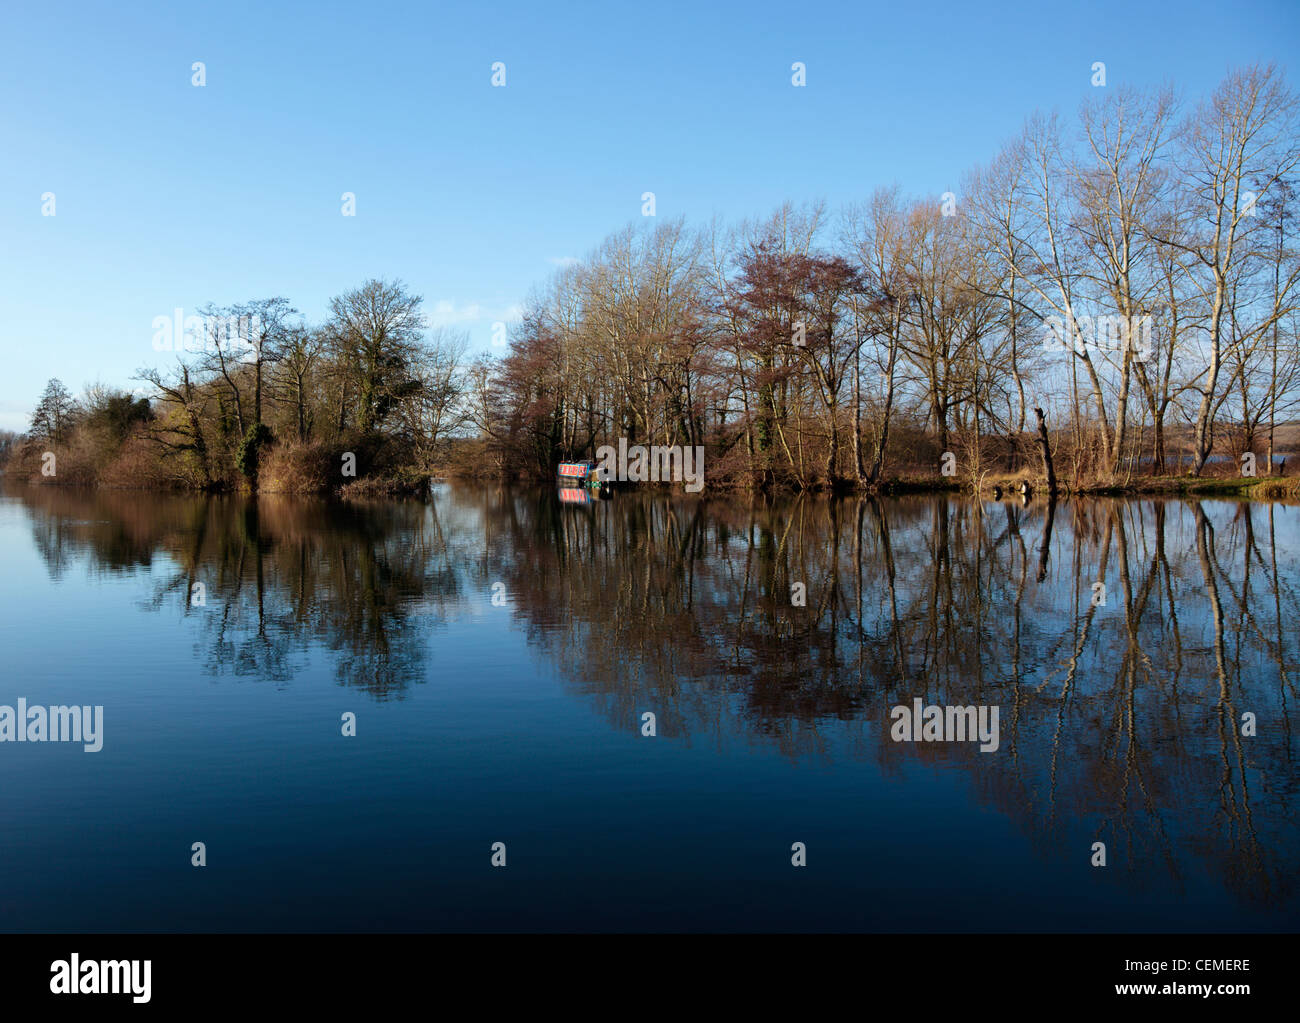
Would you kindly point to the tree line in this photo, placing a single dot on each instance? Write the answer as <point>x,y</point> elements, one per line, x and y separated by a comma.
<point>1129,278</point>
<point>1133,274</point>
<point>259,399</point>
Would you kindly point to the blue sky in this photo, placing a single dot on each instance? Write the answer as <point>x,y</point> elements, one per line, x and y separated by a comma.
<point>169,196</point>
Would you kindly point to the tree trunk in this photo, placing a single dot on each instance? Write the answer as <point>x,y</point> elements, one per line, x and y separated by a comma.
<point>1045,449</point>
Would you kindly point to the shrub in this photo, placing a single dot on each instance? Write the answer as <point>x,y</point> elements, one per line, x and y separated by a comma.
<point>249,456</point>
<point>298,468</point>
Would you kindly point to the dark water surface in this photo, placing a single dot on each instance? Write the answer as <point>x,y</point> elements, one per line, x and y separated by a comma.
<point>520,721</point>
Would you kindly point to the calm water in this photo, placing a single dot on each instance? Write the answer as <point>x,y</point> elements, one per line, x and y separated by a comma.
<point>519,720</point>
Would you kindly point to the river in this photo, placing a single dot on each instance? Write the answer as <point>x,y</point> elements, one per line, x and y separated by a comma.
<point>660,712</point>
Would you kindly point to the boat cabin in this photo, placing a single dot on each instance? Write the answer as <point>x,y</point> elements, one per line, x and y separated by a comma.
<point>584,475</point>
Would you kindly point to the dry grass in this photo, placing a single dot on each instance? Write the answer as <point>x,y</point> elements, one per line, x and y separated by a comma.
<point>299,468</point>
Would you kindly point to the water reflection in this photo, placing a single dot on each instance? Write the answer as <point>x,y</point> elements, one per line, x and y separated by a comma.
<point>264,580</point>
<point>1122,640</point>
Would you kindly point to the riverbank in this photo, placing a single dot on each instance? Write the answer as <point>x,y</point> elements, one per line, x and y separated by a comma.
<point>1261,488</point>
<point>995,487</point>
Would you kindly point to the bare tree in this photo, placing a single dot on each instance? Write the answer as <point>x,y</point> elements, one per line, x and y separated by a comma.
<point>374,334</point>
<point>1239,145</point>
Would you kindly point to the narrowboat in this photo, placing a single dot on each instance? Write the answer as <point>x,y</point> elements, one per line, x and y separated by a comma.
<point>586,476</point>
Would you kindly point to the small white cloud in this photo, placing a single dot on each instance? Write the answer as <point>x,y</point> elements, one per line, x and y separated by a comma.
<point>562,260</point>
<point>446,313</point>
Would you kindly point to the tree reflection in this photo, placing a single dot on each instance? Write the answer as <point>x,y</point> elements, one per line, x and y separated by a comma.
<point>265,580</point>
<point>1122,640</point>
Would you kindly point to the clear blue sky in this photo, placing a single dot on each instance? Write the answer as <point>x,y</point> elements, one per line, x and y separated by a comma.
<point>170,196</point>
